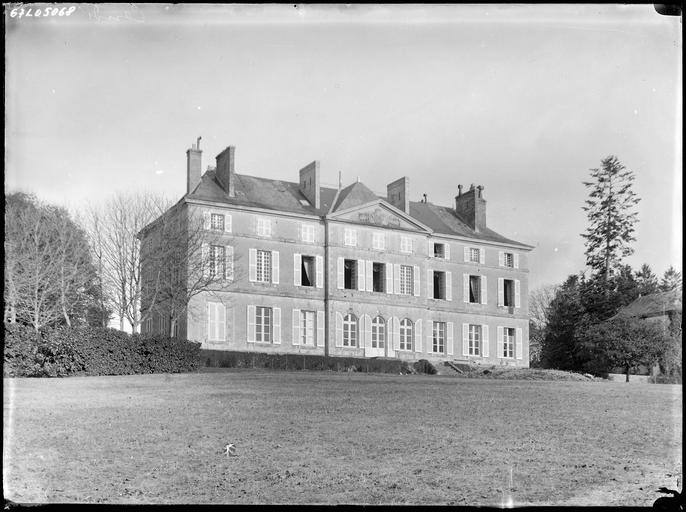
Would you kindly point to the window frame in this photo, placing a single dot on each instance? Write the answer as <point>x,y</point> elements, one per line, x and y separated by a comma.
<point>378,330</point>
<point>350,237</point>
<point>378,241</point>
<point>264,227</point>
<point>350,331</point>
<point>441,253</point>
<point>477,280</point>
<point>350,268</point>
<point>508,342</point>
<point>308,334</point>
<point>475,251</point>
<point>406,334</point>
<point>221,216</point>
<point>408,281</point>
<point>439,333</point>
<point>313,273</point>
<point>262,330</point>
<point>442,285</point>
<point>475,340</point>
<point>405,244</point>
<point>307,233</point>
<point>263,266</point>
<point>217,265</point>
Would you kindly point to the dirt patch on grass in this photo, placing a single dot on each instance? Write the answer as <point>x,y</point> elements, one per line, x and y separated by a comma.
<point>327,438</point>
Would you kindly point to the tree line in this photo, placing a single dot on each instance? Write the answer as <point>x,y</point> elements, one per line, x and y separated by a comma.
<point>577,325</point>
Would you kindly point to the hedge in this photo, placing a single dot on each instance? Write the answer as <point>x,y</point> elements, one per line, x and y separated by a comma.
<point>230,359</point>
<point>93,351</point>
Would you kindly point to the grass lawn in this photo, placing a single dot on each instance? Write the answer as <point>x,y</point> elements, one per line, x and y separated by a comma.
<point>332,438</point>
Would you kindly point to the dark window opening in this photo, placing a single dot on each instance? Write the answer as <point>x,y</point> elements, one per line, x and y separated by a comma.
<point>439,251</point>
<point>307,271</point>
<point>474,289</point>
<point>439,285</point>
<point>378,277</point>
<point>508,292</point>
<point>350,276</point>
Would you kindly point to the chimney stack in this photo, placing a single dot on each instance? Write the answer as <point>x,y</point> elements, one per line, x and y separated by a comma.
<point>471,207</point>
<point>193,167</point>
<point>309,183</point>
<point>398,194</point>
<point>225,170</point>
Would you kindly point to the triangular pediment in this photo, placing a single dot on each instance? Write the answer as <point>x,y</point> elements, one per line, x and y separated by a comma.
<point>381,214</point>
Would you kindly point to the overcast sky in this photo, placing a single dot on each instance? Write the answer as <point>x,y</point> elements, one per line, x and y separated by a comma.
<point>523,100</point>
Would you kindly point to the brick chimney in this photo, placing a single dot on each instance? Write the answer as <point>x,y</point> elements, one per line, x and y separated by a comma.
<point>225,170</point>
<point>193,166</point>
<point>309,183</point>
<point>398,194</point>
<point>471,207</point>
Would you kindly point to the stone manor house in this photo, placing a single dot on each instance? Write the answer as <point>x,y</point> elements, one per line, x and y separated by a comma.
<point>344,272</point>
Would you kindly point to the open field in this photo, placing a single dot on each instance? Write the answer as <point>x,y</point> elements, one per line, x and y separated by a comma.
<point>336,438</point>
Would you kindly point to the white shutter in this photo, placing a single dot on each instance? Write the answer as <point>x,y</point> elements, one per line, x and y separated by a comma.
<point>396,278</point>
<point>499,342</point>
<point>415,274</point>
<point>390,342</point>
<point>206,222</point>
<point>429,336</point>
<point>367,331</point>
<point>466,254</point>
<point>465,287</point>
<point>277,326</point>
<point>389,278</point>
<point>515,257</point>
<point>251,324</point>
<point>517,294</point>
<point>340,277</point>
<point>501,258</point>
<point>448,286</point>
<point>275,267</point>
<point>297,269</point>
<point>519,344</point>
<point>296,327</point>
<point>369,284</point>
<point>205,255</point>
<point>447,251</point>
<point>450,338</point>
<point>396,333</point>
<point>482,255</point>
<point>320,328</point>
<point>339,330</point>
<point>429,284</point>
<point>221,321</point>
<point>465,339</point>
<point>360,275</point>
<point>484,297</point>
<point>501,291</point>
<point>319,262</point>
<point>228,263</point>
<point>485,342</point>
<point>227,223</point>
<point>252,268</point>
<point>418,336</point>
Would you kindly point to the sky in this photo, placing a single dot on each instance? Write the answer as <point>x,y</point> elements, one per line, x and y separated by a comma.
<point>523,100</point>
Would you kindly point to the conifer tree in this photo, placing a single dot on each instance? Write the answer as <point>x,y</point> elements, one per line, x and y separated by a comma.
<point>671,280</point>
<point>646,280</point>
<point>611,216</point>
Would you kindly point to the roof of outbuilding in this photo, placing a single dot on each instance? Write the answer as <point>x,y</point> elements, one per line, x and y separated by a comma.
<point>285,196</point>
<point>654,304</point>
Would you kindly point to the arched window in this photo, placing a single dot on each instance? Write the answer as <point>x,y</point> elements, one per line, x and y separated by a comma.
<point>378,332</point>
<point>349,330</point>
<point>406,334</point>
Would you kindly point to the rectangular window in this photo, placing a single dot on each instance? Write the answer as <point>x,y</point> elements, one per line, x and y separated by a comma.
<point>508,260</point>
<point>307,271</point>
<point>438,337</point>
<point>508,293</point>
<point>439,285</point>
<point>378,241</point>
<point>475,289</point>
<point>217,222</point>
<point>439,250</point>
<point>216,319</point>
<point>405,244</point>
<point>474,340</point>
<point>379,277</point>
<point>263,324</point>
<point>350,276</point>
<point>350,237</point>
<point>217,261</point>
<point>264,227</point>
<point>307,233</point>
<point>474,255</point>
<point>307,328</point>
<point>264,266</point>
<point>405,334</point>
<point>508,341</point>
<point>350,331</point>
<point>406,280</point>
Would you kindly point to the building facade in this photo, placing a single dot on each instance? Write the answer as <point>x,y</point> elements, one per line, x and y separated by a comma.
<point>302,268</point>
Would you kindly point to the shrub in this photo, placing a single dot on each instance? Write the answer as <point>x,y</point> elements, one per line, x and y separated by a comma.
<point>424,366</point>
<point>93,351</point>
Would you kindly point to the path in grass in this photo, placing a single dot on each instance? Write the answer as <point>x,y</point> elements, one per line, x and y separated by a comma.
<point>331,438</point>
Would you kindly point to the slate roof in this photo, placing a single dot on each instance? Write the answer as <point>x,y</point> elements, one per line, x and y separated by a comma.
<point>654,304</point>
<point>285,196</point>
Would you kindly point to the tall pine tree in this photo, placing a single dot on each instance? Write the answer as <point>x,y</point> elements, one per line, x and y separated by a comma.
<point>611,217</point>
<point>671,280</point>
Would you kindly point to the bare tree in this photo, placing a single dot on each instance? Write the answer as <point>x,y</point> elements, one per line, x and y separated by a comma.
<point>539,302</point>
<point>181,259</point>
